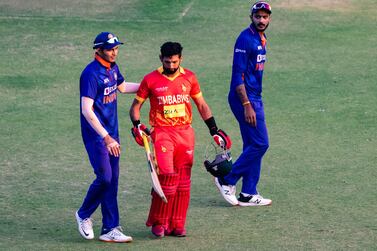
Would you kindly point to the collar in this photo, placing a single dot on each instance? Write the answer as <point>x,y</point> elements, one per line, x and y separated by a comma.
<point>102,61</point>
<point>252,29</point>
<point>260,33</point>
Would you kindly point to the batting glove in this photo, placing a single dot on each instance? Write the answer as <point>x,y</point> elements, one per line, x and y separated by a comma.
<point>138,130</point>
<point>221,138</point>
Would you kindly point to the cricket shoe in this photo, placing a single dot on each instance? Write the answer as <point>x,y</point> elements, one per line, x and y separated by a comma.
<point>159,231</point>
<point>253,200</point>
<point>178,232</point>
<point>85,227</point>
<point>115,235</point>
<point>227,191</point>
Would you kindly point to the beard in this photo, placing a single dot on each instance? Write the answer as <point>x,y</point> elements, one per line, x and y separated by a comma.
<point>170,71</point>
<point>257,27</point>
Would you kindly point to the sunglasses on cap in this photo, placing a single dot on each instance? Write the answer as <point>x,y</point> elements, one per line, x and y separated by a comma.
<point>261,6</point>
<point>112,40</point>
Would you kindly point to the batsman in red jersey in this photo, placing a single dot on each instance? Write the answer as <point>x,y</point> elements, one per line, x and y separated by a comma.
<point>169,89</point>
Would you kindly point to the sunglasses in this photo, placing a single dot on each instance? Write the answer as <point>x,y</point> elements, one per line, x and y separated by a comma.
<point>112,40</point>
<point>260,6</point>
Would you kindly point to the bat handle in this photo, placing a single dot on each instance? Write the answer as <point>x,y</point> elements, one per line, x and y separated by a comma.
<point>146,144</point>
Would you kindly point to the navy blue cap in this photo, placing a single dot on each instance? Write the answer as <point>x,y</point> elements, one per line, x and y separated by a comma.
<point>106,40</point>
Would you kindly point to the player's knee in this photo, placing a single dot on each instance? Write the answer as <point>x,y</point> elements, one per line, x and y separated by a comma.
<point>169,183</point>
<point>260,148</point>
<point>184,185</point>
<point>264,147</point>
<point>105,180</point>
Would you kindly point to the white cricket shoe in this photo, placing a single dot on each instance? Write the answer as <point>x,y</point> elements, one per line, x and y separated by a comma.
<point>227,191</point>
<point>115,235</point>
<point>253,200</point>
<point>85,227</point>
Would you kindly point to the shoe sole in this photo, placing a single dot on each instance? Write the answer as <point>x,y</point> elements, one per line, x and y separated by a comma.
<point>159,235</point>
<point>220,188</point>
<point>179,235</point>
<point>245,204</point>
<point>82,234</point>
<point>113,241</point>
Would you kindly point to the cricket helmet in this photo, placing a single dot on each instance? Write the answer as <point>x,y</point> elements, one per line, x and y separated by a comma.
<point>221,165</point>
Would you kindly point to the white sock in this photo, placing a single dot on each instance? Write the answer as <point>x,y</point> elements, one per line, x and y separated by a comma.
<point>246,194</point>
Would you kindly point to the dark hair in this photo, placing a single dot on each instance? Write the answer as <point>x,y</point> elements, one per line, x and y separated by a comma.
<point>169,49</point>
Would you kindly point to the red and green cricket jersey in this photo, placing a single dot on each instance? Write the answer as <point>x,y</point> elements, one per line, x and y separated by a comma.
<point>169,96</point>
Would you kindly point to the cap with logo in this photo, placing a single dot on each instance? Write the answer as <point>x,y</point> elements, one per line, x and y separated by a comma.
<point>106,40</point>
<point>261,5</point>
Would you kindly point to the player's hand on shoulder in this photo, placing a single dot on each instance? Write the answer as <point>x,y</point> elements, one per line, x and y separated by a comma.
<point>138,130</point>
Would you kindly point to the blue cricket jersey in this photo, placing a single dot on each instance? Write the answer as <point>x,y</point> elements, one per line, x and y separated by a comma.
<point>99,81</point>
<point>248,64</point>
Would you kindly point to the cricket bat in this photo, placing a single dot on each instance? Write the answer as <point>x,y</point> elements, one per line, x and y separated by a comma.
<point>152,169</point>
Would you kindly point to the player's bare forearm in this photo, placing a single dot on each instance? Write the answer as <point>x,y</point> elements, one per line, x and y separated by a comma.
<point>241,92</point>
<point>249,113</point>
<point>203,108</point>
<point>135,110</point>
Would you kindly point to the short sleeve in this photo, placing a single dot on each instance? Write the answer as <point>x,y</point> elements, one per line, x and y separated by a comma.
<point>143,91</point>
<point>195,87</point>
<point>120,78</point>
<point>88,85</point>
<point>240,59</point>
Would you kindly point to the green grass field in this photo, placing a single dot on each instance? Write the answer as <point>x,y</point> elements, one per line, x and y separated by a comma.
<point>320,97</point>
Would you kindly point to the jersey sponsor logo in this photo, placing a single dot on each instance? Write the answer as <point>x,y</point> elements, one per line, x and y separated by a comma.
<point>174,111</point>
<point>161,89</point>
<point>109,89</point>
<point>259,67</point>
<point>106,80</point>
<point>173,99</point>
<point>109,94</point>
<point>260,47</point>
<point>261,57</point>
<point>239,50</point>
<point>110,98</point>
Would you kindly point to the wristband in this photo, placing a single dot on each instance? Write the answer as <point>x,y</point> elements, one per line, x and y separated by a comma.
<point>136,122</point>
<point>246,103</point>
<point>211,123</point>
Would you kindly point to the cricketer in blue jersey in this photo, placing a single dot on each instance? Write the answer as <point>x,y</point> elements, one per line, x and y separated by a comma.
<point>99,83</point>
<point>245,101</point>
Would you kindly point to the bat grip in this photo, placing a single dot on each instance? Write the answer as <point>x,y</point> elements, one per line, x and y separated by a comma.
<point>146,144</point>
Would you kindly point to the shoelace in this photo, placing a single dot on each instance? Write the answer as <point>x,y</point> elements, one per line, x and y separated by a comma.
<point>117,231</point>
<point>258,196</point>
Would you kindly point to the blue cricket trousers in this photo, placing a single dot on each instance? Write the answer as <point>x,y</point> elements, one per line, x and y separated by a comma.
<point>104,188</point>
<point>255,144</point>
